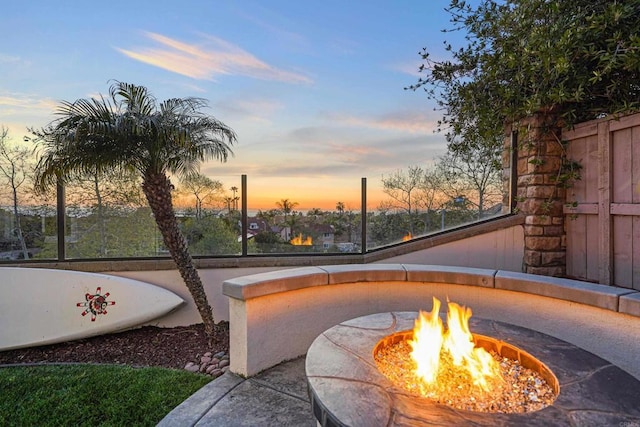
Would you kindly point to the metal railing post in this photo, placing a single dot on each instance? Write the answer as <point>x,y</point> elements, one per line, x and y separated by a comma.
<point>363,210</point>
<point>244,226</point>
<point>60,221</point>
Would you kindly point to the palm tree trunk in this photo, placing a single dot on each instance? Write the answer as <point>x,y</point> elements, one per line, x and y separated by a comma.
<point>157,189</point>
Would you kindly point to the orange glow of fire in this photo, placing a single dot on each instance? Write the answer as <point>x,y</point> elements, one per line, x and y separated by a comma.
<point>431,341</point>
<point>407,237</point>
<point>297,241</point>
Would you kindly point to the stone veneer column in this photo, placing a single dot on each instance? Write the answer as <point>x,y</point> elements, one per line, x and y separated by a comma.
<point>539,199</point>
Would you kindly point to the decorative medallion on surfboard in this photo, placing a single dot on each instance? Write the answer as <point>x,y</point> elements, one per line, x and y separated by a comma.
<point>95,304</point>
<point>44,306</point>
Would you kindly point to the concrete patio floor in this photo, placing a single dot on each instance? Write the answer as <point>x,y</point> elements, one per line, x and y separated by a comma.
<point>275,397</point>
<point>278,396</point>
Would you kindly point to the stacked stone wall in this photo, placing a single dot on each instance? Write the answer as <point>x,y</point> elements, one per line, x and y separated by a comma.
<point>539,198</point>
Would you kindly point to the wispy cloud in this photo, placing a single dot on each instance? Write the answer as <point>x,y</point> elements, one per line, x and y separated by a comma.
<point>408,121</point>
<point>344,46</point>
<point>11,103</point>
<point>359,151</point>
<point>9,59</point>
<point>275,25</point>
<point>209,58</point>
<point>255,109</point>
<point>410,68</point>
<point>21,111</point>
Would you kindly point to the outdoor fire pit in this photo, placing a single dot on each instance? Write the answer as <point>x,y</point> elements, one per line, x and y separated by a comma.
<point>348,385</point>
<point>454,367</point>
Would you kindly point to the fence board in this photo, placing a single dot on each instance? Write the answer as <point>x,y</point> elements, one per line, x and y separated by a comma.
<point>625,209</point>
<point>625,122</point>
<point>604,199</point>
<point>581,130</point>
<point>635,260</point>
<point>577,247</point>
<point>621,186</point>
<point>622,251</point>
<point>593,248</point>
<point>635,163</point>
<point>577,151</point>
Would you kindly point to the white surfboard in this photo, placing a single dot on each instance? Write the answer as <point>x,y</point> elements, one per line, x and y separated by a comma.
<point>42,306</point>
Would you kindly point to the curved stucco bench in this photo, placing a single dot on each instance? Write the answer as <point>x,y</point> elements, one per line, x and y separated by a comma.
<point>275,316</point>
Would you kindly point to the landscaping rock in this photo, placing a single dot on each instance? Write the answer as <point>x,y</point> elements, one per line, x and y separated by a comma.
<point>191,367</point>
<point>208,364</point>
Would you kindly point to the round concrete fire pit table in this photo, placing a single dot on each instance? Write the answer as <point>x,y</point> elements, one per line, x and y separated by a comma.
<point>347,389</point>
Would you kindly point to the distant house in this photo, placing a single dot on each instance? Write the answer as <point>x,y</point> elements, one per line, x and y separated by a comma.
<point>324,235</point>
<point>256,225</point>
<point>283,232</point>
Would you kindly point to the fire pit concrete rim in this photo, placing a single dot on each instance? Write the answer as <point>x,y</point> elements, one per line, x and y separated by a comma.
<point>612,298</point>
<point>306,301</point>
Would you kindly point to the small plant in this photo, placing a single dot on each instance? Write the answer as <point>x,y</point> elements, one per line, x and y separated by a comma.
<point>568,173</point>
<point>546,206</point>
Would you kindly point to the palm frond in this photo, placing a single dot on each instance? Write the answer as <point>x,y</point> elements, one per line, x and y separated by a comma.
<point>128,130</point>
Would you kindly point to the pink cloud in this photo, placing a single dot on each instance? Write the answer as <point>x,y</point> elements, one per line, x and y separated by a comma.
<point>208,59</point>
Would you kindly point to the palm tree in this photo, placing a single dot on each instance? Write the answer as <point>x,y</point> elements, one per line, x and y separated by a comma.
<point>129,130</point>
<point>235,198</point>
<point>286,207</point>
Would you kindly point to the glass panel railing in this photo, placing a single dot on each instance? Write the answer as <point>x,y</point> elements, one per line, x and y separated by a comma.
<point>107,216</point>
<point>111,232</point>
<point>26,232</point>
<point>386,228</point>
<point>414,204</point>
<point>310,223</point>
<point>113,220</point>
<point>210,214</point>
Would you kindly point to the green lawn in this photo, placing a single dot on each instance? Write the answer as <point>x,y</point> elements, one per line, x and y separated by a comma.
<point>105,395</point>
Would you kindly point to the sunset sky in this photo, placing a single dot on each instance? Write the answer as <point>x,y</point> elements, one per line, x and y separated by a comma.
<point>314,90</point>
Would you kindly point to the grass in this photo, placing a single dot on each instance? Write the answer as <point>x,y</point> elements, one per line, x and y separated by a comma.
<point>104,395</point>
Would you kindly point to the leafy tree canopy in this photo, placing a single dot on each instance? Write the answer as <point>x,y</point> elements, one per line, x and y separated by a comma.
<point>574,59</point>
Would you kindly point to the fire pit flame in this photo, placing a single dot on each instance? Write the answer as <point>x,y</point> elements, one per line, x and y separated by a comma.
<point>449,365</point>
<point>432,344</point>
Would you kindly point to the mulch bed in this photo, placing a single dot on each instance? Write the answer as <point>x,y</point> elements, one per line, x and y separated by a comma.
<point>145,346</point>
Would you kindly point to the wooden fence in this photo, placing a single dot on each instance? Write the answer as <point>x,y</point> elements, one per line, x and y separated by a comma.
<point>603,228</point>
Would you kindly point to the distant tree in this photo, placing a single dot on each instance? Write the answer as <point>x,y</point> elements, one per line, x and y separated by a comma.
<point>473,171</point>
<point>345,221</point>
<point>315,213</point>
<point>15,169</point>
<point>234,190</point>
<point>211,236</point>
<point>268,216</point>
<point>109,196</point>
<point>286,206</point>
<point>131,233</point>
<point>267,237</point>
<point>403,187</point>
<point>431,195</point>
<point>385,226</point>
<point>205,190</point>
<point>130,130</point>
